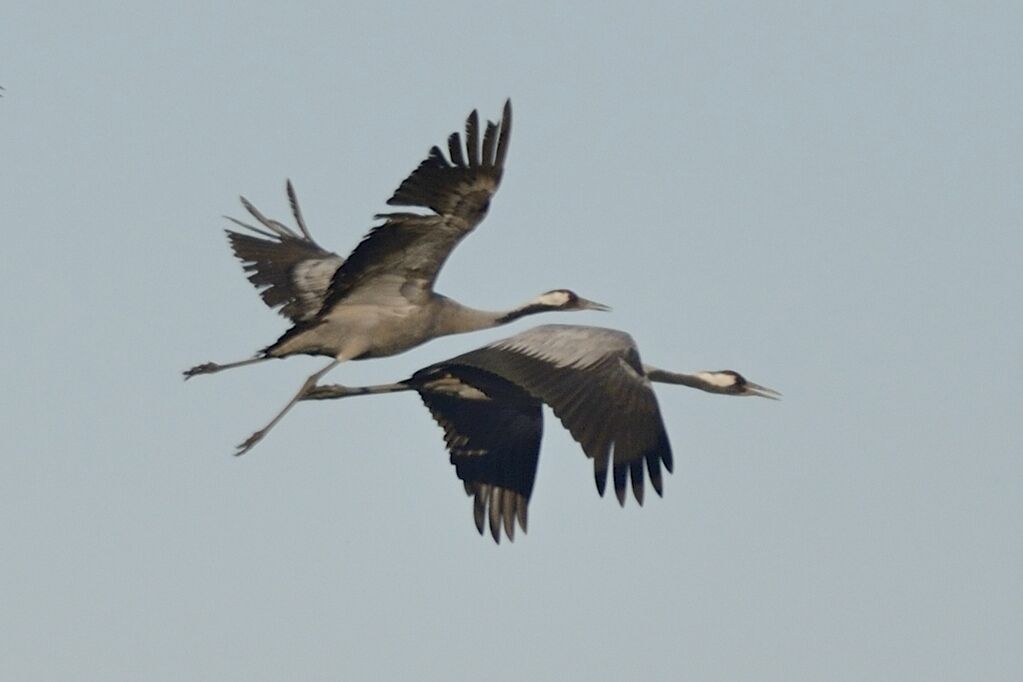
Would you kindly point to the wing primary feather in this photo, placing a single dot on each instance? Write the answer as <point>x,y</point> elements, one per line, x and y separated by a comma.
<point>253,228</point>
<point>489,140</point>
<point>620,474</point>
<point>292,272</point>
<point>502,140</point>
<point>600,473</point>
<point>495,513</point>
<point>437,158</point>
<point>472,139</point>
<point>636,473</point>
<point>625,442</point>
<point>653,465</point>
<point>279,229</point>
<point>508,513</point>
<point>479,507</point>
<point>297,212</point>
<point>602,435</point>
<point>455,149</point>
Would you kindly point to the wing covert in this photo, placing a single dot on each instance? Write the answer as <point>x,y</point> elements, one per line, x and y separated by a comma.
<point>492,430</point>
<point>592,378</point>
<point>289,268</point>
<point>460,185</point>
<point>458,190</point>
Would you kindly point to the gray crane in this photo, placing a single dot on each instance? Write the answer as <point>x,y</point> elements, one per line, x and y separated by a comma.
<point>380,300</point>
<point>488,403</point>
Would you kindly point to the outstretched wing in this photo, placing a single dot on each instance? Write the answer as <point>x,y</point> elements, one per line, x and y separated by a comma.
<point>593,380</point>
<point>492,430</point>
<point>410,247</point>
<point>462,186</point>
<point>291,270</point>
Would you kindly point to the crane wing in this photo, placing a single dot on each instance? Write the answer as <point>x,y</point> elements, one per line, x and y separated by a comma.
<point>289,268</point>
<point>593,380</point>
<point>492,430</point>
<point>457,187</point>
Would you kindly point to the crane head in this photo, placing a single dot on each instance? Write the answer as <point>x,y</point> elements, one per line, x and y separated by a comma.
<point>566,299</point>
<point>729,382</point>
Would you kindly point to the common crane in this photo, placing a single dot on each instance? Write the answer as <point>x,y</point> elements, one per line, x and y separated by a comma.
<point>488,403</point>
<point>380,301</point>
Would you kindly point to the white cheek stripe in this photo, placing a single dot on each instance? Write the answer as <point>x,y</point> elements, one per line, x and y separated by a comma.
<point>719,380</point>
<point>555,298</point>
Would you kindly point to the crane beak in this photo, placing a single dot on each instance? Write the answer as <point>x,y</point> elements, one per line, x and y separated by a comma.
<point>586,304</point>
<point>761,391</point>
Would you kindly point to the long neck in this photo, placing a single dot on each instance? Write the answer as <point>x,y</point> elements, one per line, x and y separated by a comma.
<point>701,380</point>
<point>455,318</point>
<point>530,308</point>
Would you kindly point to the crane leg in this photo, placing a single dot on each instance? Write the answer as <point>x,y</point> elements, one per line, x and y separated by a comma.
<point>251,441</point>
<point>332,391</point>
<point>212,367</point>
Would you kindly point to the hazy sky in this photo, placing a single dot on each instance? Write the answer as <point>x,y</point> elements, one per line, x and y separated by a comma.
<point>826,199</point>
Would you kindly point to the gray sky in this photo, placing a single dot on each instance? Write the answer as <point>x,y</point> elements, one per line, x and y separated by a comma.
<point>828,200</point>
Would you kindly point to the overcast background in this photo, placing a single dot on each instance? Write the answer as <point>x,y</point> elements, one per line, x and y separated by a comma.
<point>826,199</point>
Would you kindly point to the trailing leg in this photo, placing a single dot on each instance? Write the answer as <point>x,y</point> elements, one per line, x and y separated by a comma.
<point>212,367</point>
<point>251,441</point>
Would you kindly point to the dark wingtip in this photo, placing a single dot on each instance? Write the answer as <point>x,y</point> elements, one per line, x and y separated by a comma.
<point>472,139</point>
<point>653,466</point>
<point>600,478</point>
<point>508,512</point>
<point>478,512</point>
<point>620,476</point>
<point>504,135</point>
<point>636,471</point>
<point>296,211</point>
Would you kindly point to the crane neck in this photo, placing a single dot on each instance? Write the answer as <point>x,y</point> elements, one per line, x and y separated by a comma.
<point>530,308</point>
<point>701,381</point>
<point>665,377</point>
<point>455,318</point>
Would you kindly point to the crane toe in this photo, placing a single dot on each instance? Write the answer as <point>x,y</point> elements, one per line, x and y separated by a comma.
<point>204,368</point>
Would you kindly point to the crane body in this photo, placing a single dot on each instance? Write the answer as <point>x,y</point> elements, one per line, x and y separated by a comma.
<point>380,301</point>
<point>488,401</point>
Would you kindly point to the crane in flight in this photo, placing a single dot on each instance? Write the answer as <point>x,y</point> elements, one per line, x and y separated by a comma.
<point>488,401</point>
<point>380,301</point>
